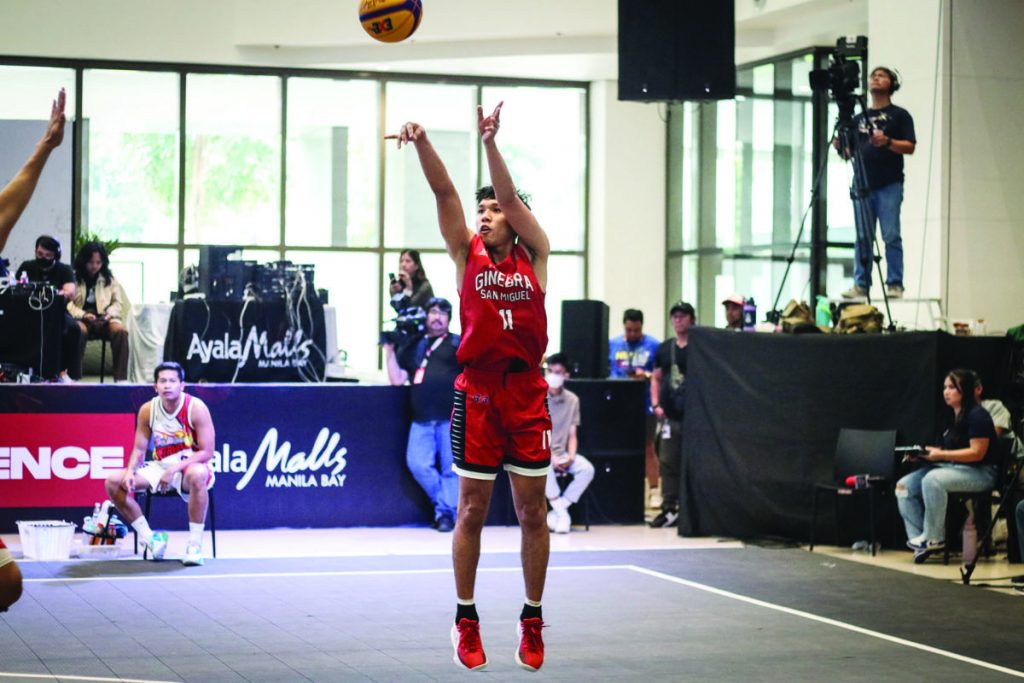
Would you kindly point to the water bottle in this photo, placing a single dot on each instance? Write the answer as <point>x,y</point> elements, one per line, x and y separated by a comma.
<point>90,521</point>
<point>822,312</point>
<point>970,542</point>
<point>749,315</point>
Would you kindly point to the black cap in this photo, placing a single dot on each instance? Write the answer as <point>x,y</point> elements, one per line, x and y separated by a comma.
<point>440,302</point>
<point>684,308</point>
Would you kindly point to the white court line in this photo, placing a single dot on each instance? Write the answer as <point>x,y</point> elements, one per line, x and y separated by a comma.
<point>68,677</point>
<point>278,575</point>
<point>830,622</point>
<point>640,570</point>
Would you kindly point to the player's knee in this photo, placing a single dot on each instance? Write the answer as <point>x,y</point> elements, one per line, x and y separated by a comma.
<point>10,585</point>
<point>196,476</point>
<point>113,484</point>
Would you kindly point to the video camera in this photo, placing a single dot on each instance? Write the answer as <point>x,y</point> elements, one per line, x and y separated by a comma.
<point>842,77</point>
<point>409,327</point>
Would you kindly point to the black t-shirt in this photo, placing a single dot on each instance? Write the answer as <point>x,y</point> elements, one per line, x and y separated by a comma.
<point>432,399</point>
<point>58,276</point>
<point>977,425</point>
<point>663,360</point>
<point>883,166</point>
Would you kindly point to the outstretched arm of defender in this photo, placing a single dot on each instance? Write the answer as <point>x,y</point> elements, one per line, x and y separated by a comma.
<point>450,215</point>
<point>14,197</point>
<point>517,213</point>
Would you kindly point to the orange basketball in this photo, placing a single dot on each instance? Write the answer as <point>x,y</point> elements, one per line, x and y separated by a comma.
<point>390,21</point>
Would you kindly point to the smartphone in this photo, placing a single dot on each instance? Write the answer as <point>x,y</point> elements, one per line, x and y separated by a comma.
<point>391,276</point>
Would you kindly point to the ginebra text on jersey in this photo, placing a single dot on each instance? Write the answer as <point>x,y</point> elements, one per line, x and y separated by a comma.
<point>496,278</point>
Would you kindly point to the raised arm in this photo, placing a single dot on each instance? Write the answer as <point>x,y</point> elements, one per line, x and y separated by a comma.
<point>450,216</point>
<point>14,197</point>
<point>516,212</point>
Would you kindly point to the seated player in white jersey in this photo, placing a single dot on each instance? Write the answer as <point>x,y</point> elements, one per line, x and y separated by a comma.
<point>176,431</point>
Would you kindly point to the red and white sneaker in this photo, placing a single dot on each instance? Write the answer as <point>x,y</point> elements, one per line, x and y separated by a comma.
<point>469,650</point>
<point>530,651</point>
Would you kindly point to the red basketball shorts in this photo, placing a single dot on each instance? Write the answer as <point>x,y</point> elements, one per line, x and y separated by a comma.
<point>501,419</point>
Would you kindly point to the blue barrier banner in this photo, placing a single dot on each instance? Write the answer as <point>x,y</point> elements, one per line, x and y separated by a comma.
<point>286,456</point>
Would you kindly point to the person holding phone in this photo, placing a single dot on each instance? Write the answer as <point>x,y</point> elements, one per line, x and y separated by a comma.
<point>410,287</point>
<point>964,462</point>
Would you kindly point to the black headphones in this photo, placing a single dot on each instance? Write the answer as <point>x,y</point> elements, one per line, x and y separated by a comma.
<point>51,243</point>
<point>894,78</point>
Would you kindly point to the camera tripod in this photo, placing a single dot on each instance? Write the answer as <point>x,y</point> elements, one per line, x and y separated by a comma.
<point>864,219</point>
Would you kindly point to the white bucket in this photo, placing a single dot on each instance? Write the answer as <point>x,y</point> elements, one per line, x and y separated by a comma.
<point>46,539</point>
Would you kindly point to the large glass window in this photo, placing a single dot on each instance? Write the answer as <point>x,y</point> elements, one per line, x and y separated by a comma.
<point>24,113</point>
<point>288,164</point>
<point>545,155</point>
<point>333,157</point>
<point>130,169</point>
<point>232,159</point>
<point>447,113</point>
<point>754,187</point>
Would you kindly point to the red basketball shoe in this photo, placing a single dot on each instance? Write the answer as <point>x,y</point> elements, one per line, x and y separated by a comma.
<point>530,653</point>
<point>469,651</point>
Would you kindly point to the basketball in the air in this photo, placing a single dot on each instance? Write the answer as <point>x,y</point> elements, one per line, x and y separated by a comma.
<point>390,21</point>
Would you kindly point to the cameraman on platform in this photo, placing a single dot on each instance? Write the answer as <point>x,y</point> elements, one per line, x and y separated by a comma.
<point>431,367</point>
<point>884,133</point>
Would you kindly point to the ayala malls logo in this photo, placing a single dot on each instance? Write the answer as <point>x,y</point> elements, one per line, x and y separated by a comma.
<point>292,351</point>
<point>321,467</point>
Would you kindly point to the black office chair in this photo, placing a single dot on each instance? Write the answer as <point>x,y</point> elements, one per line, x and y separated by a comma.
<point>981,501</point>
<point>865,452</point>
<point>211,518</point>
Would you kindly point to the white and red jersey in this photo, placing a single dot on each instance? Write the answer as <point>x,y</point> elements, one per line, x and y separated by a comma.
<point>172,432</point>
<point>502,311</point>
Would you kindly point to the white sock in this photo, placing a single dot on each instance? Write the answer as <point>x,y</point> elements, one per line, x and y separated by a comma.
<point>195,533</point>
<point>531,603</point>
<point>561,504</point>
<point>141,527</point>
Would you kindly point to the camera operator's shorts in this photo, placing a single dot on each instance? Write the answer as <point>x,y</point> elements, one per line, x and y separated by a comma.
<point>154,469</point>
<point>501,419</point>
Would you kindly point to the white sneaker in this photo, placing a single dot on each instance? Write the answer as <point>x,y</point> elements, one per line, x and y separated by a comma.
<point>193,555</point>
<point>564,521</point>
<point>552,520</point>
<point>155,547</point>
<point>655,502</point>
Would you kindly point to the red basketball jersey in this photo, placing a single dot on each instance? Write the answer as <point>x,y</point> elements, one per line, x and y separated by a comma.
<point>502,310</point>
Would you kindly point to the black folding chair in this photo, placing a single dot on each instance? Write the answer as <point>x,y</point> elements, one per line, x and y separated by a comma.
<point>859,452</point>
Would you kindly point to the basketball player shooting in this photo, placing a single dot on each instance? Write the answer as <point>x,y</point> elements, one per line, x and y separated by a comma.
<point>500,417</point>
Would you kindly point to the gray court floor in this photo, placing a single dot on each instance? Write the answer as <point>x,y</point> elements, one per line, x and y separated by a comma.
<point>656,615</point>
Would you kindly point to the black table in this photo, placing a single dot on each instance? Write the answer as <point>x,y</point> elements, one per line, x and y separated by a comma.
<point>31,322</point>
<point>254,341</point>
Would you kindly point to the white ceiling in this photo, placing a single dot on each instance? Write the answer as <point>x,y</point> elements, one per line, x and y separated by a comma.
<point>568,39</point>
<point>547,39</point>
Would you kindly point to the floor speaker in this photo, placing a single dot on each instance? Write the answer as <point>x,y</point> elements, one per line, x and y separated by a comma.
<point>677,50</point>
<point>585,337</point>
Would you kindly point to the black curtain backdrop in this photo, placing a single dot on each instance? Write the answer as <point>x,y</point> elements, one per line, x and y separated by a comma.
<point>763,413</point>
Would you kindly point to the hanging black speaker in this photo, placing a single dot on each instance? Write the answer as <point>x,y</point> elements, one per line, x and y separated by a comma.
<point>585,337</point>
<point>672,50</point>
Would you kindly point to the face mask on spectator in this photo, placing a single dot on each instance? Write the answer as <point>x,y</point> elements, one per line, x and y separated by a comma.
<point>555,381</point>
<point>44,262</point>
